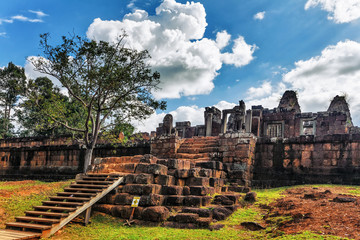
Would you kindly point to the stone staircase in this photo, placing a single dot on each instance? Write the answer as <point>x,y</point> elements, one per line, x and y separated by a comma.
<point>177,192</point>
<point>59,210</point>
<point>199,149</point>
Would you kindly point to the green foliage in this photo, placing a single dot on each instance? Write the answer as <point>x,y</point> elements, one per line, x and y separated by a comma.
<point>43,93</point>
<point>12,85</point>
<point>110,83</point>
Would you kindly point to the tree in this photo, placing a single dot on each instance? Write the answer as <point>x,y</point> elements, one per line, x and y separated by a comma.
<point>30,115</point>
<point>109,81</point>
<point>12,84</point>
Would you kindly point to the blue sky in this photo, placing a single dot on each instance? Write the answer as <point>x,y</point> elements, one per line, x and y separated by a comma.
<point>211,52</point>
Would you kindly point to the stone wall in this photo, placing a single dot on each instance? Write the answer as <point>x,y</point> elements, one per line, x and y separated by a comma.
<point>44,158</point>
<point>166,146</point>
<point>307,159</point>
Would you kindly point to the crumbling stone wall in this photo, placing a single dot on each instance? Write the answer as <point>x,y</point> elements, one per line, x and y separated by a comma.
<point>307,159</point>
<point>42,158</point>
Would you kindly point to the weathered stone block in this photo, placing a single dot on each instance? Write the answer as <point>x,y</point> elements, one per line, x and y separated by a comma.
<point>180,182</point>
<point>140,189</point>
<point>151,200</point>
<point>194,172</point>
<point>221,213</point>
<point>186,217</point>
<point>201,190</point>
<point>192,201</point>
<point>182,173</point>
<point>175,163</point>
<point>236,174</point>
<point>216,182</point>
<point>165,180</point>
<point>174,200</point>
<point>123,199</point>
<point>200,181</point>
<point>125,212</point>
<point>104,208</point>
<point>206,173</point>
<point>202,212</point>
<point>155,214</point>
<point>210,165</point>
<point>129,179</point>
<point>156,169</point>
<point>144,178</point>
<point>172,190</point>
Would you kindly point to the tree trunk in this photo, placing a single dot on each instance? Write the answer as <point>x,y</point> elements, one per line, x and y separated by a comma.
<point>88,156</point>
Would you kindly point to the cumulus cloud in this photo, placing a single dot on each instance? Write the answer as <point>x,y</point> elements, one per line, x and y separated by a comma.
<point>259,15</point>
<point>2,34</point>
<point>336,71</point>
<point>174,36</point>
<point>264,89</point>
<point>31,73</point>
<point>340,11</point>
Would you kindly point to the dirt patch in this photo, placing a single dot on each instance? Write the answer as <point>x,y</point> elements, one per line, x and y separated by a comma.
<point>325,211</point>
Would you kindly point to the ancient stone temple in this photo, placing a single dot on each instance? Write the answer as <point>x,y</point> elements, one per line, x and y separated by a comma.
<point>234,150</point>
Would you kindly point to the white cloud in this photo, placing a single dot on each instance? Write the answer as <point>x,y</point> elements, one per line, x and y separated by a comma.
<point>187,62</point>
<point>317,80</point>
<point>2,34</point>
<point>259,15</point>
<point>39,13</point>
<point>242,53</point>
<point>340,11</point>
<point>261,91</point>
<point>23,18</point>
<point>31,73</point>
<point>224,105</point>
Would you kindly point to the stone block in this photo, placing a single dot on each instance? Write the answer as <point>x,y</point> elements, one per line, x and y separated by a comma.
<point>151,200</point>
<point>200,181</point>
<point>129,179</point>
<point>186,190</point>
<point>125,212</point>
<point>175,163</point>
<point>144,178</point>
<point>123,199</point>
<point>192,201</point>
<point>210,165</point>
<point>141,189</point>
<point>155,214</point>
<point>165,180</point>
<point>202,212</point>
<point>201,190</point>
<point>172,190</point>
<point>174,200</point>
<point>186,217</point>
<point>250,197</point>
<point>221,213</point>
<point>194,172</point>
<point>180,181</point>
<point>182,173</point>
<point>216,182</point>
<point>156,169</point>
<point>206,173</point>
<point>104,208</point>
<point>236,174</point>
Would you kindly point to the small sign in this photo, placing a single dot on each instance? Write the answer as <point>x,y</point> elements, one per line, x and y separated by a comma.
<point>135,202</point>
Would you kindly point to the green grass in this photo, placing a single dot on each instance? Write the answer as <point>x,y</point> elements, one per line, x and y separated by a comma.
<point>104,227</point>
<point>18,202</point>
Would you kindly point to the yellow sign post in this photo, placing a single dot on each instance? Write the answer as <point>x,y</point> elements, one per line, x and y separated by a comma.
<point>134,204</point>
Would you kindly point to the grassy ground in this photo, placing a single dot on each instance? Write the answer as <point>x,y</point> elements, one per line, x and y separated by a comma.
<point>20,196</point>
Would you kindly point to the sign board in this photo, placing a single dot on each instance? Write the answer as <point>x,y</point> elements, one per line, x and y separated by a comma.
<point>135,202</point>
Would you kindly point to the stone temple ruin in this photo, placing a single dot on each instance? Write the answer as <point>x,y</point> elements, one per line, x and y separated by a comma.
<point>234,150</point>
<point>192,176</point>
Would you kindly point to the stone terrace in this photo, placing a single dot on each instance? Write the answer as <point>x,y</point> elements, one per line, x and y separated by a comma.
<point>178,186</point>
